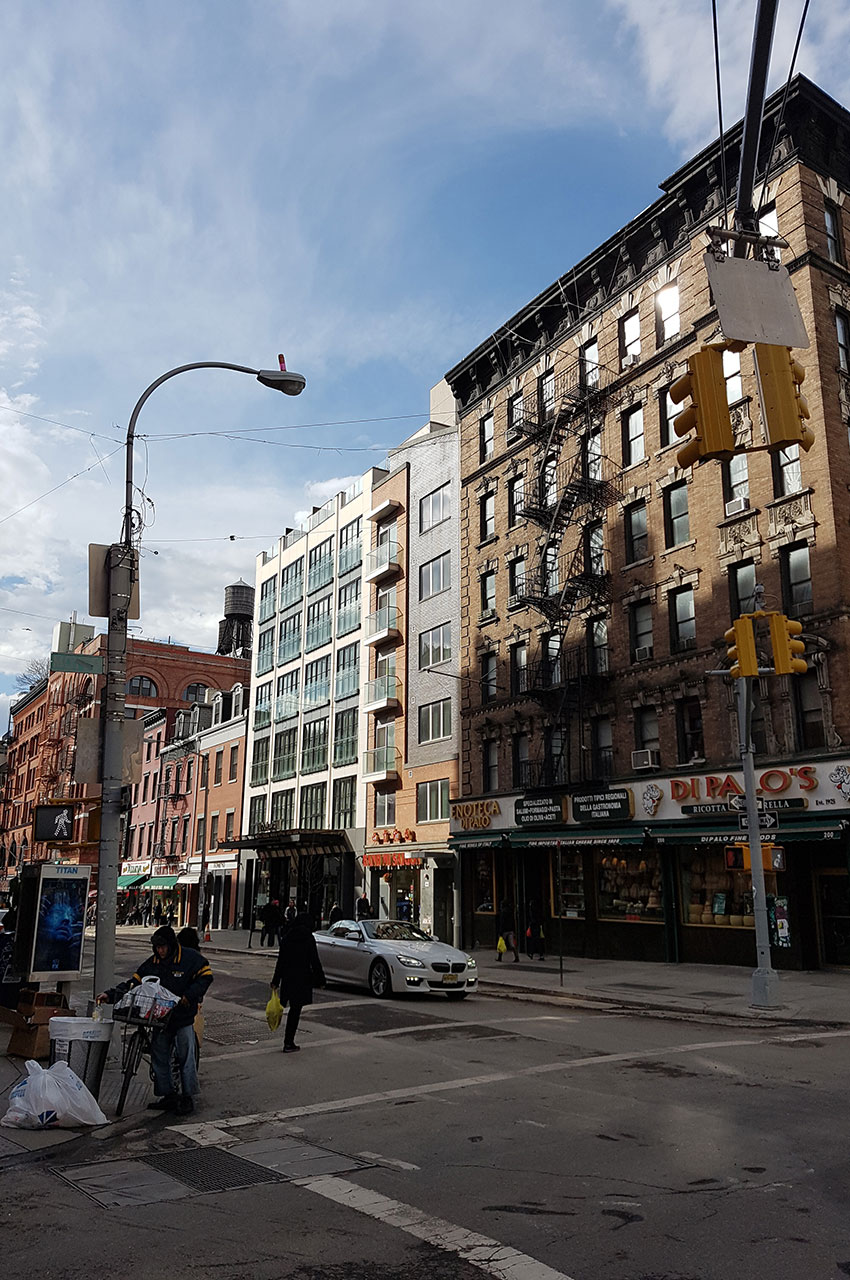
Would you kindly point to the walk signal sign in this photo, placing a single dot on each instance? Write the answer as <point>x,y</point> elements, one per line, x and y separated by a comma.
<point>785,409</point>
<point>708,413</point>
<point>786,647</point>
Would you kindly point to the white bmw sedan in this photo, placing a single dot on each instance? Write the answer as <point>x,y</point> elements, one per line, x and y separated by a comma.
<point>391,955</point>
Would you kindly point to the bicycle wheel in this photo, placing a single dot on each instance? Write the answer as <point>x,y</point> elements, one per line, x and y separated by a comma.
<point>131,1058</point>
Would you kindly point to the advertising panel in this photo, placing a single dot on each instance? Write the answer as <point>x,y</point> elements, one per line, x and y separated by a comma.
<point>60,914</point>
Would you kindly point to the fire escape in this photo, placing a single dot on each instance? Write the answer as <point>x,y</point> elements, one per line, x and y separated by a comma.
<point>571,488</point>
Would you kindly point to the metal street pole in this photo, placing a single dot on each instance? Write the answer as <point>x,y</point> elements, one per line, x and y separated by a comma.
<point>745,214</point>
<point>203,780</point>
<point>765,978</point>
<point>122,568</point>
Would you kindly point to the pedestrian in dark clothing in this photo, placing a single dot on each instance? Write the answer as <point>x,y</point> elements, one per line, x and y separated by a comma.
<point>146,911</point>
<point>364,907</point>
<point>534,933</point>
<point>297,972</point>
<point>270,916</point>
<point>507,930</point>
<point>157,914</point>
<point>336,914</point>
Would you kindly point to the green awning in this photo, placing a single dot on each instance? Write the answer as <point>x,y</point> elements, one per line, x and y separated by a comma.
<point>129,882</point>
<point>161,882</point>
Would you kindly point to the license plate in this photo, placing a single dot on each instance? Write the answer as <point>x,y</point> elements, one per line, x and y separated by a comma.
<point>449,978</point>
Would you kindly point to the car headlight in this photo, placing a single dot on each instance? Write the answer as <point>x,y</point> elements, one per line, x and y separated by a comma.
<point>470,963</point>
<point>410,962</point>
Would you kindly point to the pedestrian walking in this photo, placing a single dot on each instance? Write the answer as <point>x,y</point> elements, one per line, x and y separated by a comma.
<point>534,932</point>
<point>270,916</point>
<point>157,914</point>
<point>336,914</point>
<point>507,930</point>
<point>297,972</point>
<point>363,909</point>
<point>146,910</point>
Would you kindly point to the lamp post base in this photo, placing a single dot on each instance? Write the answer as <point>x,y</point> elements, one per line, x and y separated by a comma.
<point>765,989</point>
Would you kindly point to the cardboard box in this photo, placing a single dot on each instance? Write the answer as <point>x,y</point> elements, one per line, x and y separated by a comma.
<point>30,1036</point>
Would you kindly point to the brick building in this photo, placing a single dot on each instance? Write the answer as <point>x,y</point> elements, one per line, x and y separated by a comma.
<point>600,765</point>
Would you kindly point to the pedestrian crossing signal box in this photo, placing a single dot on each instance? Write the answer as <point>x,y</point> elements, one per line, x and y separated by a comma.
<point>738,857</point>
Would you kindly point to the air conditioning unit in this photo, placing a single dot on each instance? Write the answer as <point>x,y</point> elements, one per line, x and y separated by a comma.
<point>647,759</point>
<point>736,506</point>
<point>643,653</point>
<point>628,362</point>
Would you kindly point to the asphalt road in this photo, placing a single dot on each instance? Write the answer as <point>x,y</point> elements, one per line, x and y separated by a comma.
<point>421,1138</point>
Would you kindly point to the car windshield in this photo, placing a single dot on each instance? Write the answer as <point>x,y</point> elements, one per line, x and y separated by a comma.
<point>394,931</point>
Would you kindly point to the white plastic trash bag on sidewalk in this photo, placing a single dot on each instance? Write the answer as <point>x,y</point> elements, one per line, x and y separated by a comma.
<point>51,1099</point>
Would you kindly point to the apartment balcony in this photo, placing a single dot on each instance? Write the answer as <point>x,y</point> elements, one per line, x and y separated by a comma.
<point>262,717</point>
<point>317,633</point>
<point>381,764</point>
<point>350,556</point>
<point>260,773</point>
<point>291,593</point>
<point>348,619</point>
<point>317,693</point>
<point>283,766</point>
<point>286,706</point>
<point>383,561</point>
<point>320,573</point>
<point>382,694</point>
<point>387,507</point>
<point>383,625</point>
<point>288,649</point>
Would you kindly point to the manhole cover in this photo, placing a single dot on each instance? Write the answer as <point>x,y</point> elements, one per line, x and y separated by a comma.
<point>115,1184</point>
<point>293,1159</point>
<point>209,1169</point>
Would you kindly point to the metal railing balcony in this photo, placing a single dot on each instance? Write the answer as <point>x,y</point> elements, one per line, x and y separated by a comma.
<point>320,573</point>
<point>283,766</point>
<point>350,556</point>
<point>267,609</point>
<point>382,620</point>
<point>291,592</point>
<point>317,693</point>
<point>348,619</point>
<point>383,559</point>
<point>382,691</point>
<point>317,633</point>
<point>381,761</point>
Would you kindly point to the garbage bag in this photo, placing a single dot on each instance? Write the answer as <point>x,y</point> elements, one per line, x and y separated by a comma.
<point>51,1099</point>
<point>274,1010</point>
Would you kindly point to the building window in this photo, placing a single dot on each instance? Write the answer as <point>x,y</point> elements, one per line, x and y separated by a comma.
<point>344,802</point>
<point>646,729</point>
<point>487,668</point>
<point>435,576</point>
<point>348,608</point>
<point>732,374</point>
<point>551,577</point>
<point>667,412</point>
<point>259,763</point>
<point>602,746</point>
<point>736,480</point>
<point>200,834</point>
<point>516,500</point>
<point>141,687</point>
<point>676,523</point>
<point>435,646</point>
<point>522,769</point>
<point>256,813</point>
<point>666,313</point>
<point>282,812</point>
<point>640,629</point>
<point>787,473</point>
<point>487,516</point>
<point>318,631</point>
<point>742,588</point>
<point>683,630</point>
<point>317,682</point>
<point>546,393</point>
<point>549,481</point>
<point>589,364</point>
<point>229,822</point>
<point>633,438</point>
<point>233,769</point>
<point>689,730</point>
<point>292,583</point>
<point>432,801</point>
<point>597,643</point>
<point>351,545</point>
<point>314,746</point>
<point>796,580</point>
<point>637,537</point>
<point>486,437</point>
<point>313,806</point>
<point>268,594</point>
<point>435,720</point>
<point>516,578</point>
<point>516,416</point>
<point>345,736</point>
<point>630,336</point>
<point>285,755</point>
<point>288,687</point>
<point>347,679</point>
<point>490,767</point>
<point>214,832</point>
<point>808,711</point>
<point>592,455</point>
<point>594,549</point>
<point>218,771</point>
<point>832,222</point>
<point>488,593</point>
<point>289,639</point>
<point>842,328</point>
<point>519,668</point>
<point>320,565</point>
<point>384,808</point>
<point>435,507</point>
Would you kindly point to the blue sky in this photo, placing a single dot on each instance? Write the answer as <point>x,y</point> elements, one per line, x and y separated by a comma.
<point>370,187</point>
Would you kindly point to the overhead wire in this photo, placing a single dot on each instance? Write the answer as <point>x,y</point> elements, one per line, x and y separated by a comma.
<point>7,408</point>
<point>61,485</point>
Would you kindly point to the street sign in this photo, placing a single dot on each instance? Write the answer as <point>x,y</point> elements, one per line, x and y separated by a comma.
<point>90,664</point>
<point>755,302</point>
<point>767,822</point>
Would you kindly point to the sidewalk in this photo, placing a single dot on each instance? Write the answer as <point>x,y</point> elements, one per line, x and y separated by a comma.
<point>817,998</point>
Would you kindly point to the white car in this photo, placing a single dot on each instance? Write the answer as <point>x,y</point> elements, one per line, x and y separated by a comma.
<point>391,955</point>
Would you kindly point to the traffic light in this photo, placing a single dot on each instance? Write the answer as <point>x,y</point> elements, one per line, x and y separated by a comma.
<point>708,413</point>
<point>785,646</point>
<point>785,409</point>
<point>742,652</point>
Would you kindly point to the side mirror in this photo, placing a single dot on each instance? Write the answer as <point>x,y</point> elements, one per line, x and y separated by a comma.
<point>353,935</point>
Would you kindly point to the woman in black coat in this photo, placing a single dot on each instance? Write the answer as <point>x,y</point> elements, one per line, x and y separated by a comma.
<point>297,972</point>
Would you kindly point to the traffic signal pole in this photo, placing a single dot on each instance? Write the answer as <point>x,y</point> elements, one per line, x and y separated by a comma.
<point>765,994</point>
<point>745,215</point>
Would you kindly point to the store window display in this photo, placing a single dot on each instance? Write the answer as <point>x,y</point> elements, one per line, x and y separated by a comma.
<point>718,890</point>
<point>629,885</point>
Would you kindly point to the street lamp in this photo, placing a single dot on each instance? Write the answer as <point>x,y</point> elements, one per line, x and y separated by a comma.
<point>122,568</point>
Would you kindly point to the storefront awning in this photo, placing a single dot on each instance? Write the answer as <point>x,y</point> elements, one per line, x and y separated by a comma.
<point>284,844</point>
<point>637,833</point>
<point>161,882</point>
<point>190,877</point>
<point>129,882</point>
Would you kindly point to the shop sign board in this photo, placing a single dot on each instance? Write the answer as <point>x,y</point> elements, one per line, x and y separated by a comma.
<point>136,868</point>
<point>487,814</point>
<point>604,806</point>
<point>540,811</point>
<point>390,860</point>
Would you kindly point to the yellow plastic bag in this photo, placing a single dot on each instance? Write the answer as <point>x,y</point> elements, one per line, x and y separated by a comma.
<point>501,946</point>
<point>274,1010</point>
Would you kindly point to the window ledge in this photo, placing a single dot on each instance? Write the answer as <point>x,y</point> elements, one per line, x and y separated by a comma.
<point>788,497</point>
<point>633,466</point>
<point>488,542</point>
<point>636,564</point>
<point>488,620</point>
<point>680,546</point>
<point>742,515</point>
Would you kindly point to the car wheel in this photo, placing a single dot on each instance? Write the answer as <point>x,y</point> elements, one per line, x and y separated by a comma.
<point>380,983</point>
<point>456,995</point>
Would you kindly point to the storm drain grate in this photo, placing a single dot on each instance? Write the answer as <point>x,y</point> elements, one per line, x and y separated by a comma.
<point>230,1031</point>
<point>209,1169</point>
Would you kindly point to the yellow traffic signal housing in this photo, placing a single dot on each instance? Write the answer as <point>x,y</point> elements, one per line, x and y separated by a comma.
<point>785,409</point>
<point>785,645</point>
<point>742,652</point>
<point>708,414</point>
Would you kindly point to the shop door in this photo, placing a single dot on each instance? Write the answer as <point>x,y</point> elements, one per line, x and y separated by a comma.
<point>834,908</point>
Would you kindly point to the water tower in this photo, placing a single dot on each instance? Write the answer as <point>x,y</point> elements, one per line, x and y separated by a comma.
<point>235,628</point>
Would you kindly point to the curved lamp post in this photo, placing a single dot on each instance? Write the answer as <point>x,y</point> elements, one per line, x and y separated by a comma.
<point>122,568</point>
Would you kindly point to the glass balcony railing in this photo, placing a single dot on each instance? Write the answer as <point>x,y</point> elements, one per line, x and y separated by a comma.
<point>286,706</point>
<point>348,619</point>
<point>382,689</point>
<point>265,661</point>
<point>289,648</point>
<point>291,592</point>
<point>350,556</point>
<point>259,773</point>
<point>283,766</point>
<point>347,682</point>
<point>317,633</point>
<point>262,717</point>
<point>317,693</point>
<point>381,760</point>
<point>314,758</point>
<point>386,556</point>
<point>266,609</point>
<point>386,619</point>
<point>345,751</point>
<point>320,573</point>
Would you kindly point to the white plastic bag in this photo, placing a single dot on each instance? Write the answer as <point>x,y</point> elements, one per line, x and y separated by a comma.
<point>150,999</point>
<point>51,1099</point>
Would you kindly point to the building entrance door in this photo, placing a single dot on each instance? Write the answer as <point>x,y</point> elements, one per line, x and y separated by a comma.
<point>834,912</point>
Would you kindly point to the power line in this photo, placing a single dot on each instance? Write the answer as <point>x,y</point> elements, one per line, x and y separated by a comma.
<point>5,408</point>
<point>295,426</point>
<point>61,485</point>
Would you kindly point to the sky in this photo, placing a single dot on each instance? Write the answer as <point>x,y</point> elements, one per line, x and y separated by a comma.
<point>370,187</point>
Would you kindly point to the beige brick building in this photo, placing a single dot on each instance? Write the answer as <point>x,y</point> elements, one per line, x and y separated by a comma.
<point>600,758</point>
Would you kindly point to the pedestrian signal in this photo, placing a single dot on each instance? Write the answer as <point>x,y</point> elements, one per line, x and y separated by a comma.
<point>786,647</point>
<point>785,409</point>
<point>708,413</point>
<point>742,651</point>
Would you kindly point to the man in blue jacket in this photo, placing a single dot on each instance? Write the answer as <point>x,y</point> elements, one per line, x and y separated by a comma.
<point>186,974</point>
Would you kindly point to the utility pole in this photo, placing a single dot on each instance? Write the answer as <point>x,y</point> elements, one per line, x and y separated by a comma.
<point>765,977</point>
<point>745,214</point>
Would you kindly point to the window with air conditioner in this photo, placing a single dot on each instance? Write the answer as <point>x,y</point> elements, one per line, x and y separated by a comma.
<point>630,338</point>
<point>736,484</point>
<point>640,620</point>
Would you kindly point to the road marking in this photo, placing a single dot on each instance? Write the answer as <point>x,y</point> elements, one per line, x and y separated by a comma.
<point>497,1077</point>
<point>480,1251</point>
<point>374,1158</point>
